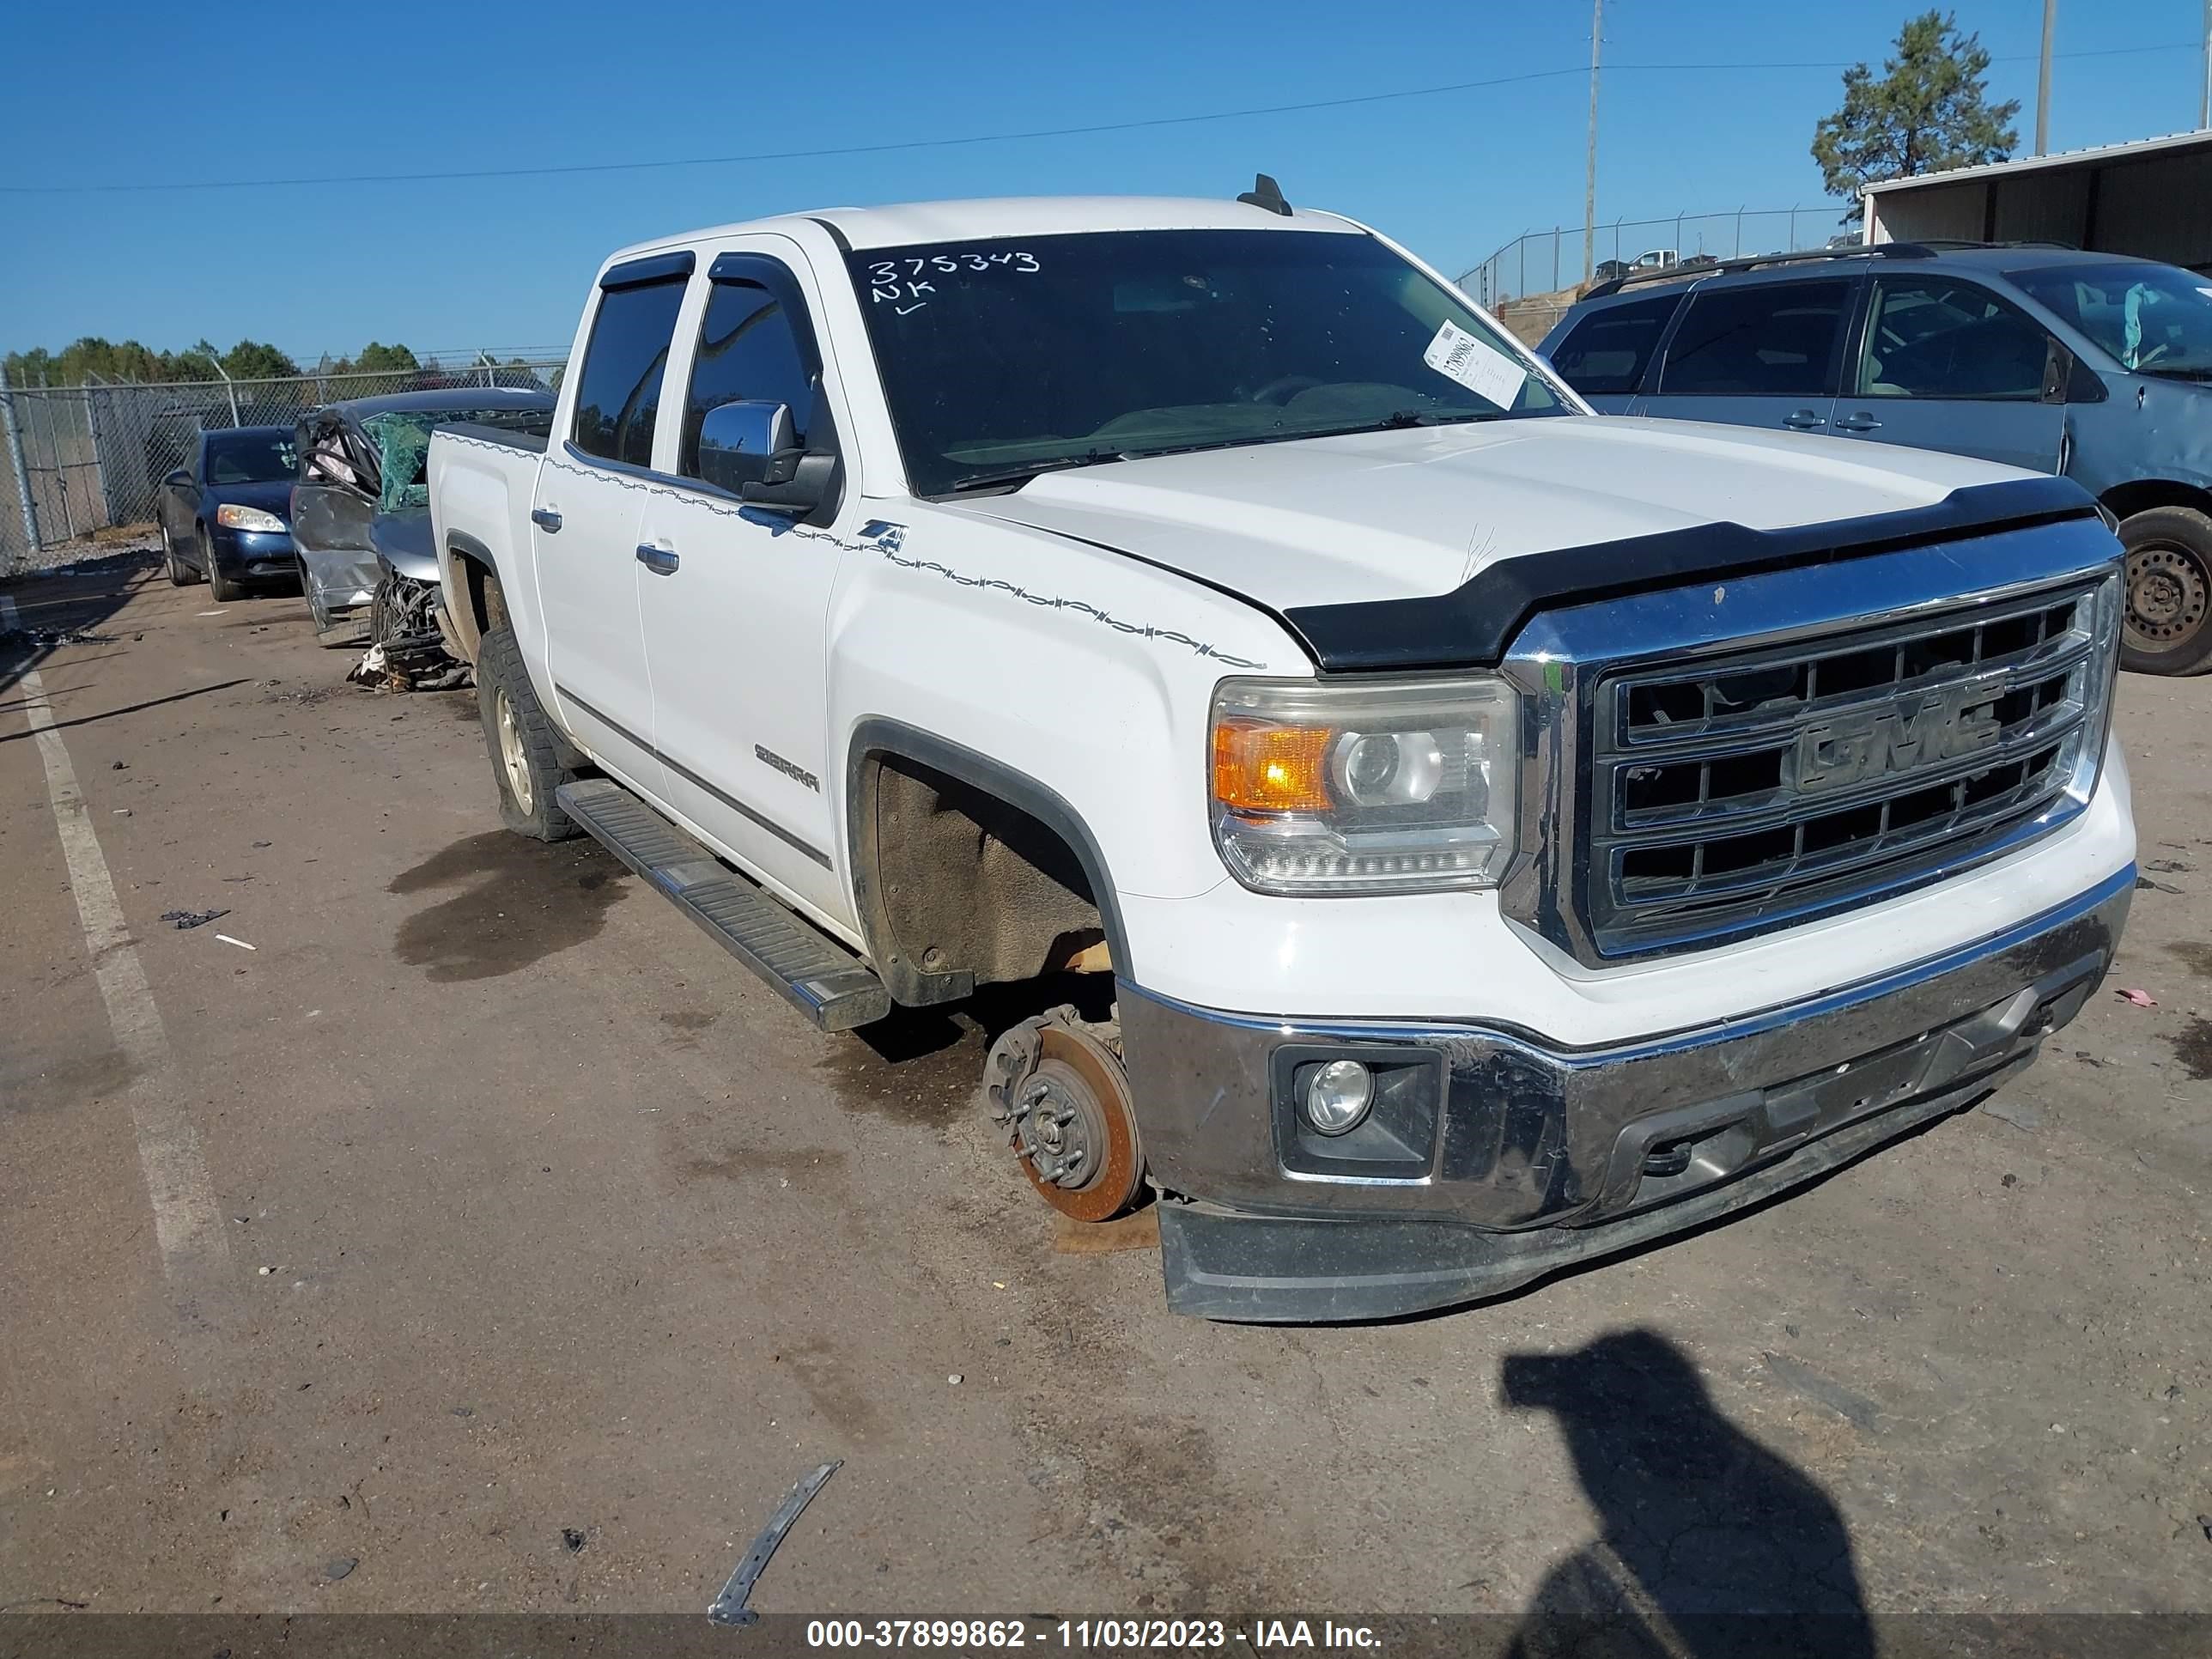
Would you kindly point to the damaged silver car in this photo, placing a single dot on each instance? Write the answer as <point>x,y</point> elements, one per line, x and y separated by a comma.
<point>360,514</point>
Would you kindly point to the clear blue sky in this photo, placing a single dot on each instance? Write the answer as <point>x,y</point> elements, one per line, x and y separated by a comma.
<point>137,93</point>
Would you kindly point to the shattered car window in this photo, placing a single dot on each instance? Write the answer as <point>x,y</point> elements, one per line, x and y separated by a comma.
<point>403,447</point>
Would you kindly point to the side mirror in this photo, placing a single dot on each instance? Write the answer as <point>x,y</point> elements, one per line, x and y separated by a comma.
<point>179,477</point>
<point>751,448</point>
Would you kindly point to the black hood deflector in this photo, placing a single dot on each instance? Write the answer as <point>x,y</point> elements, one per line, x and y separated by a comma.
<point>1474,625</point>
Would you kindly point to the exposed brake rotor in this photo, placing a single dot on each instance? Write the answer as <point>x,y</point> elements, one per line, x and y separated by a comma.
<point>1058,1087</point>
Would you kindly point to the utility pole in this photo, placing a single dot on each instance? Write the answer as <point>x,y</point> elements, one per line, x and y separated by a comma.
<point>1590,177</point>
<point>2205,114</point>
<point>2042,78</point>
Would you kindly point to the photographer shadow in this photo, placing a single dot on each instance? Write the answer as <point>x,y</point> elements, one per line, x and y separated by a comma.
<point>1709,1544</point>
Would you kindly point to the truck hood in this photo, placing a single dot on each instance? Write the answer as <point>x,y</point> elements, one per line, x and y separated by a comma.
<point>1393,515</point>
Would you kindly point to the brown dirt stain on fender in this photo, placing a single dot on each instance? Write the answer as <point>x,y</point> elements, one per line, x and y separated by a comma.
<point>517,902</point>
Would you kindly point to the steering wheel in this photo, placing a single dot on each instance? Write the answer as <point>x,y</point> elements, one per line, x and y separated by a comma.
<point>1283,386</point>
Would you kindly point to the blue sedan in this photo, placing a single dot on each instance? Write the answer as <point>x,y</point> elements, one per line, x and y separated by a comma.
<point>224,513</point>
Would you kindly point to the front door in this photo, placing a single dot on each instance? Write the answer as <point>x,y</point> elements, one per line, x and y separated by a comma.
<point>584,515</point>
<point>1761,353</point>
<point>1947,365</point>
<point>735,599</point>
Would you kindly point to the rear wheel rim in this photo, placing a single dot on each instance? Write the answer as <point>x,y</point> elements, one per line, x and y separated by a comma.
<point>512,759</point>
<point>2168,592</point>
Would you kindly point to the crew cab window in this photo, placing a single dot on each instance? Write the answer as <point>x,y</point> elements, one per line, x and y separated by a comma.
<point>1608,350</point>
<point>748,349</point>
<point>1771,340</point>
<point>1935,337</point>
<point>618,394</point>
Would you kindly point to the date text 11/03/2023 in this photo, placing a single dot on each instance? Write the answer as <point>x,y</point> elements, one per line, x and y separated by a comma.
<point>1088,1635</point>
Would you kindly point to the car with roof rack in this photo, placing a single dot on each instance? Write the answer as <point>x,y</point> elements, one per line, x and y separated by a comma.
<point>1420,836</point>
<point>2095,367</point>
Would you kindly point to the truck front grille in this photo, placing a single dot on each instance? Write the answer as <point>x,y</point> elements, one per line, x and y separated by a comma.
<point>1764,785</point>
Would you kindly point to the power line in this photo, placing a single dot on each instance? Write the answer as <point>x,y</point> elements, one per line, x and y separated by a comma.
<point>572,169</point>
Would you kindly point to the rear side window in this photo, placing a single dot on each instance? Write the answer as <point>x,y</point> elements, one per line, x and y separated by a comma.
<point>1773,340</point>
<point>1608,349</point>
<point>618,394</point>
<point>1933,337</point>
<point>749,350</point>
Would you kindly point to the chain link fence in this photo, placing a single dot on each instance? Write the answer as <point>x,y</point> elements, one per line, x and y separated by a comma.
<point>78,460</point>
<point>1532,281</point>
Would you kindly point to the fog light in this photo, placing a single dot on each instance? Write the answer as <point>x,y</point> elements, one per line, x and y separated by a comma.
<point>1339,1096</point>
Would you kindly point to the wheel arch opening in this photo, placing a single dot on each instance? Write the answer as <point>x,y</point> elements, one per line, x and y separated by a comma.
<point>966,874</point>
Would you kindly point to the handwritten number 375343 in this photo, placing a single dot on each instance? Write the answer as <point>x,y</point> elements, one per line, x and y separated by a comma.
<point>902,282</point>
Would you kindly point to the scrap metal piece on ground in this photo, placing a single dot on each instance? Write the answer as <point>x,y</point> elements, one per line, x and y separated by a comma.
<point>185,919</point>
<point>413,662</point>
<point>729,1608</point>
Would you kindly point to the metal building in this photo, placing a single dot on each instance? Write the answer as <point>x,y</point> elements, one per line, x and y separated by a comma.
<point>2151,197</point>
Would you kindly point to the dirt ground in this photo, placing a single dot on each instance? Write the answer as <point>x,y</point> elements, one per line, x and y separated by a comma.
<point>484,1238</point>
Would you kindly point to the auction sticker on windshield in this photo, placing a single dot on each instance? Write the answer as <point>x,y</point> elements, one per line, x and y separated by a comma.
<point>1476,364</point>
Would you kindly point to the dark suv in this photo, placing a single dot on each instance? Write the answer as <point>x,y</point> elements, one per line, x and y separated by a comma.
<point>2092,365</point>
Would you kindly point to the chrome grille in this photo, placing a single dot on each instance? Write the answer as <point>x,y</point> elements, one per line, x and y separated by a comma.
<point>1757,787</point>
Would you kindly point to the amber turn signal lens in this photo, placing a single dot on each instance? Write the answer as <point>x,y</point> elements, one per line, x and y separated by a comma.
<point>1259,768</point>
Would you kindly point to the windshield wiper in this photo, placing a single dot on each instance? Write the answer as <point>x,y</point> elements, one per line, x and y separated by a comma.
<point>1402,418</point>
<point>1015,476</point>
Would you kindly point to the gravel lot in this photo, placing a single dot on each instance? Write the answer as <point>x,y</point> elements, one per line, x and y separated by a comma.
<point>484,1239</point>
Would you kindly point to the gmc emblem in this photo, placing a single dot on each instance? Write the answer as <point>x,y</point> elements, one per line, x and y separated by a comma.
<point>1914,731</point>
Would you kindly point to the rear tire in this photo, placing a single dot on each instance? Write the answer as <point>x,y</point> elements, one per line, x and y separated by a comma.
<point>180,575</point>
<point>527,752</point>
<point>2168,628</point>
<point>220,588</point>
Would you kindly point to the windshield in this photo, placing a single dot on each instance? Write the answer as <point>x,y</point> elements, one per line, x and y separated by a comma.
<point>403,447</point>
<point>250,458</point>
<point>1009,357</point>
<point>2157,319</point>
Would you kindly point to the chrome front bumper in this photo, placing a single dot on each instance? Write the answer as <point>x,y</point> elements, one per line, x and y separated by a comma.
<point>1546,1157</point>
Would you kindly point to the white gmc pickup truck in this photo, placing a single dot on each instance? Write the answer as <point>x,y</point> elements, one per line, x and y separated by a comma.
<point>1480,836</point>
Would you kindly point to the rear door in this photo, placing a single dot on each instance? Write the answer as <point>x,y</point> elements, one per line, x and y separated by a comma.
<point>1946,364</point>
<point>736,599</point>
<point>1608,350</point>
<point>591,495</point>
<point>1767,354</point>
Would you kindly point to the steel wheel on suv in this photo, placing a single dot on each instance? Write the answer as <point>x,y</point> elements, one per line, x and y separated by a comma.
<point>2169,614</point>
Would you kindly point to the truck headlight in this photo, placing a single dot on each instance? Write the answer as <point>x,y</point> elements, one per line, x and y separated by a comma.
<point>234,517</point>
<point>1380,786</point>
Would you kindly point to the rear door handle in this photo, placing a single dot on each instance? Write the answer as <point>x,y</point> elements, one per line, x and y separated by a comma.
<point>1861,421</point>
<point>545,519</point>
<point>1803,420</point>
<point>661,560</point>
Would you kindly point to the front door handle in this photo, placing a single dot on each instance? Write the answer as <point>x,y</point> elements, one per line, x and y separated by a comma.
<point>661,560</point>
<point>1861,421</point>
<point>545,518</point>
<point>1803,420</point>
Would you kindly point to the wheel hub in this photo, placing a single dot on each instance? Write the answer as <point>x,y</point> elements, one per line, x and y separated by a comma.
<point>2168,595</point>
<point>1060,1089</point>
<point>511,754</point>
